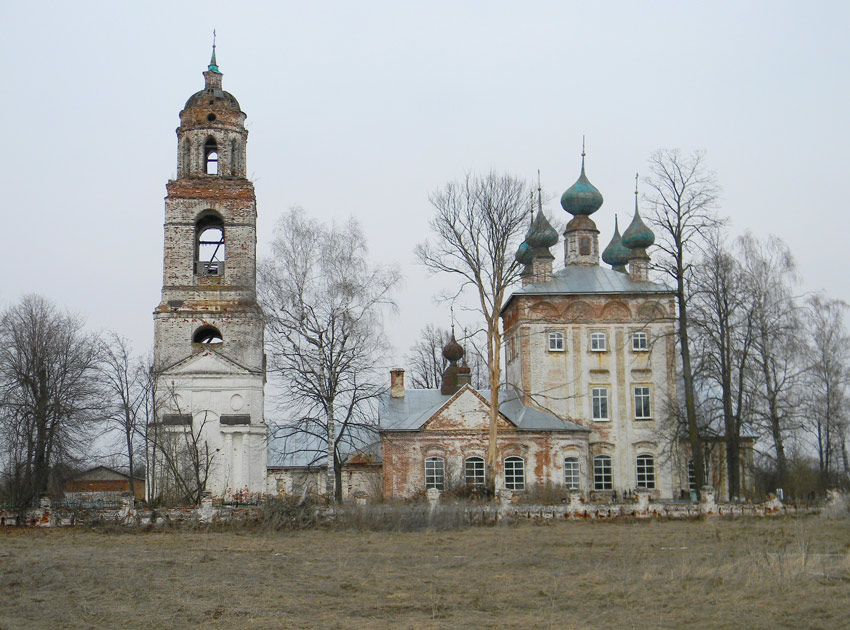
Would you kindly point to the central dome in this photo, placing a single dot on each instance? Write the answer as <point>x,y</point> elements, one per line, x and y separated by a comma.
<point>582,198</point>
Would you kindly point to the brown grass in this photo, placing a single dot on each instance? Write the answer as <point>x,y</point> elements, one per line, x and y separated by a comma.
<point>754,573</point>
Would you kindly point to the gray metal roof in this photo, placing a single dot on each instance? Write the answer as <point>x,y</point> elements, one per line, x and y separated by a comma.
<point>593,279</point>
<point>419,405</point>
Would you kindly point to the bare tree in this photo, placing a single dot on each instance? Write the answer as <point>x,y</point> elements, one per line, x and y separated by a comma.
<point>49,393</point>
<point>125,379</point>
<point>769,275</point>
<point>322,301</point>
<point>427,364</point>
<point>478,223</point>
<point>683,194</point>
<point>723,323</point>
<point>827,350</point>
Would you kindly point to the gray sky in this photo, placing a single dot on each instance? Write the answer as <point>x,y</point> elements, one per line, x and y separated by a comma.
<point>364,108</point>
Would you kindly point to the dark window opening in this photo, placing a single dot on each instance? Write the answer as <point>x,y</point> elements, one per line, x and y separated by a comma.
<point>209,248</point>
<point>211,117</point>
<point>211,156</point>
<point>207,334</point>
<point>584,246</point>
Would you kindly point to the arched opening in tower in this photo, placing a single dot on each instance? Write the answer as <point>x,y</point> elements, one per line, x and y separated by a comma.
<point>211,156</point>
<point>209,246</point>
<point>207,335</point>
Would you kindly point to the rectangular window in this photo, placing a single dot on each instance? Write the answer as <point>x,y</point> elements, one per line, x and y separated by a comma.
<point>602,478</point>
<point>571,473</point>
<point>435,473</point>
<point>514,473</point>
<point>597,342</point>
<point>646,472</point>
<point>599,397</point>
<point>640,342</point>
<point>556,342</point>
<point>642,410</point>
<point>473,469</point>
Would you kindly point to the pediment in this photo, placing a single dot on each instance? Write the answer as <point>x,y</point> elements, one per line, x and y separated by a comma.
<point>208,362</point>
<point>465,411</point>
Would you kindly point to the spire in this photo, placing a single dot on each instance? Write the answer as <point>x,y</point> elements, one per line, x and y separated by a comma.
<point>213,67</point>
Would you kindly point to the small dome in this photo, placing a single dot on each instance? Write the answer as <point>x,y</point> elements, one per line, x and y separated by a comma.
<point>541,234</point>
<point>453,351</point>
<point>616,254</point>
<point>582,198</point>
<point>523,253</point>
<point>638,235</point>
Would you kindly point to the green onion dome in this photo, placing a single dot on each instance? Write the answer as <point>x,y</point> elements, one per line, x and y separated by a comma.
<point>638,235</point>
<point>541,234</point>
<point>616,254</point>
<point>582,198</point>
<point>523,253</point>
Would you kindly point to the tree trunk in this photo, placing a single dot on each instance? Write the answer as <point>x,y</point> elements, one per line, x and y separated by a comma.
<point>493,362</point>
<point>331,474</point>
<point>688,378</point>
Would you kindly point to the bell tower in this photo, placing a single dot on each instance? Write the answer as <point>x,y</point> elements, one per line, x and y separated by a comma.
<point>208,329</point>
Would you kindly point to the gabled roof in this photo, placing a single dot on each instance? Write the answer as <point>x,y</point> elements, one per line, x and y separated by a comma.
<point>589,280</point>
<point>413,411</point>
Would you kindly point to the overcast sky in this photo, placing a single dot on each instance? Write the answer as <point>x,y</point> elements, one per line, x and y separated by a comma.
<point>364,108</point>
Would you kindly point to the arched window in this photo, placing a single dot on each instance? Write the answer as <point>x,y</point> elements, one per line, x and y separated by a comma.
<point>207,334</point>
<point>602,478</point>
<point>185,157</point>
<point>473,472</point>
<point>514,473</point>
<point>646,472</point>
<point>211,156</point>
<point>572,478</point>
<point>209,246</point>
<point>435,473</point>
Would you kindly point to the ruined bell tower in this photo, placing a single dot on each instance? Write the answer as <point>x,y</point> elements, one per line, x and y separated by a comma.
<point>208,341</point>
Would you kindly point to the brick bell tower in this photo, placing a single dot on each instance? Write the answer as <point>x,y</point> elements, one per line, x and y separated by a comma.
<point>208,329</point>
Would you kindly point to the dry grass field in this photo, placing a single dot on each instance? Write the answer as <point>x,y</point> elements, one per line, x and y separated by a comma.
<point>753,573</point>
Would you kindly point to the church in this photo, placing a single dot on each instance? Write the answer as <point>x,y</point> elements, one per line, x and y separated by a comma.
<point>590,366</point>
<point>589,353</point>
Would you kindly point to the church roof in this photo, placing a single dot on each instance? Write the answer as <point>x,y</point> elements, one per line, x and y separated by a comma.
<point>588,279</point>
<point>417,406</point>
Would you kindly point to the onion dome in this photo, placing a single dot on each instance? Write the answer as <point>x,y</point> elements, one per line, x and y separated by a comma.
<point>453,351</point>
<point>616,254</point>
<point>582,198</point>
<point>524,253</point>
<point>638,235</point>
<point>541,234</point>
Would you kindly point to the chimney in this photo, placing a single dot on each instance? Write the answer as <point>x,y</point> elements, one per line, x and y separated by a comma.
<point>397,383</point>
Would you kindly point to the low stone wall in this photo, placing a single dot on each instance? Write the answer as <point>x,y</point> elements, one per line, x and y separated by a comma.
<point>507,506</point>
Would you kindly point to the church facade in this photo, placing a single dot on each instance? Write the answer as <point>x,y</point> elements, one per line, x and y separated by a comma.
<point>209,366</point>
<point>590,368</point>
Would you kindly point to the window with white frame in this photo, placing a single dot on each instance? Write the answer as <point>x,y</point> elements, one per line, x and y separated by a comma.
<point>640,342</point>
<point>602,477</point>
<point>598,342</point>
<point>556,341</point>
<point>572,479</point>
<point>473,471</point>
<point>599,403</point>
<point>514,473</point>
<point>646,472</point>
<point>435,473</point>
<point>642,410</point>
